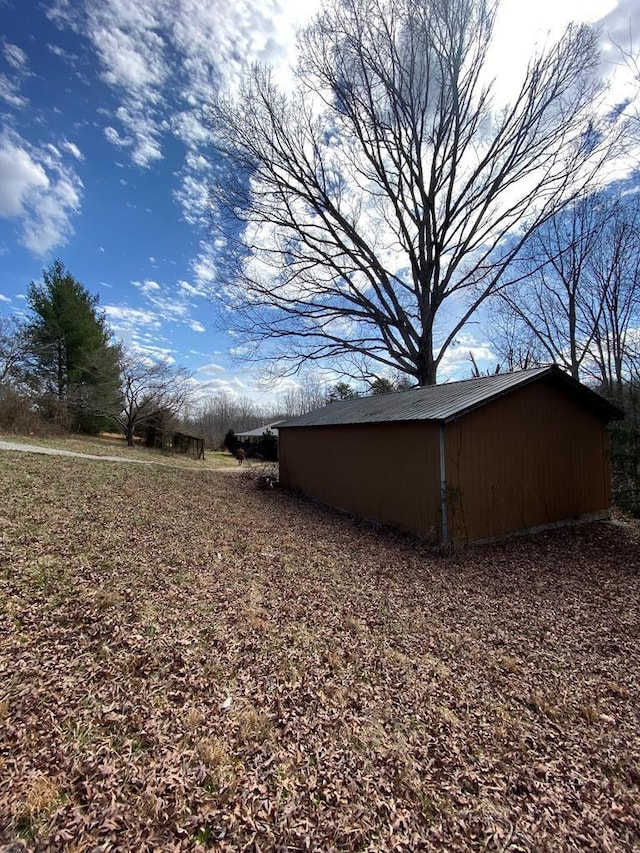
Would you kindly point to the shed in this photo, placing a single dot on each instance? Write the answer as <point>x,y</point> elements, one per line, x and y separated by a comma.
<point>169,441</point>
<point>461,462</point>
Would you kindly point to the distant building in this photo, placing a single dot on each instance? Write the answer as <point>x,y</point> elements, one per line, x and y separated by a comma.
<point>261,442</point>
<point>255,436</point>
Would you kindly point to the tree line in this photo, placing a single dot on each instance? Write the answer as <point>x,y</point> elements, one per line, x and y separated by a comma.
<point>61,367</point>
<point>576,299</point>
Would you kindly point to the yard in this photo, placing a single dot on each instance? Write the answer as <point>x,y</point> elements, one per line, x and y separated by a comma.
<point>190,662</point>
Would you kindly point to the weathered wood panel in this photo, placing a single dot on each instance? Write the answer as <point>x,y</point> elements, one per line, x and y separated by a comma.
<point>531,458</point>
<point>384,472</point>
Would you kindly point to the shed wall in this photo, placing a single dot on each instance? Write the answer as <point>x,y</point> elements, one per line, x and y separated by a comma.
<point>388,473</point>
<point>531,458</point>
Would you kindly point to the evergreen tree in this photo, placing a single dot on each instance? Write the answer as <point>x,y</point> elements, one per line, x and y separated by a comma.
<point>385,385</point>
<point>625,449</point>
<point>342,391</point>
<point>231,442</point>
<point>74,366</point>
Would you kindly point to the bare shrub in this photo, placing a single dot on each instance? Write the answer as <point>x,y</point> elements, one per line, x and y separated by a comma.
<point>18,414</point>
<point>264,476</point>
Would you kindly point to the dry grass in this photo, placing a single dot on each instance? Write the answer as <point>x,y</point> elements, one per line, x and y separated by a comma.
<point>31,815</point>
<point>188,662</point>
<point>114,445</point>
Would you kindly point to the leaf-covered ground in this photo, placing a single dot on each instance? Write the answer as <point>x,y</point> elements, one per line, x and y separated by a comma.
<point>188,662</point>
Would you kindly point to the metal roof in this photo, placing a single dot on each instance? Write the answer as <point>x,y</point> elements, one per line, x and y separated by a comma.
<point>444,402</point>
<point>260,431</point>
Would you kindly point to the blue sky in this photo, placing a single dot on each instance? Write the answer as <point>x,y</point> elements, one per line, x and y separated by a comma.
<point>104,161</point>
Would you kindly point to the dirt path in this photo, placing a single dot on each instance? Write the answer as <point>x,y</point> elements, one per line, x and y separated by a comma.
<point>52,451</point>
<point>23,447</point>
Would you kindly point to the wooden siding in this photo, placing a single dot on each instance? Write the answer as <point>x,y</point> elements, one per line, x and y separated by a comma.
<point>388,473</point>
<point>532,458</point>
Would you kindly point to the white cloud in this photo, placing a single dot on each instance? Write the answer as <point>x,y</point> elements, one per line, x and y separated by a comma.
<point>63,13</point>
<point>147,287</point>
<point>50,226</point>
<point>216,388</point>
<point>10,84</point>
<point>189,290</point>
<point>232,387</point>
<point>130,41</point>
<point>204,269</point>
<point>114,137</point>
<point>9,92</point>
<point>621,23</point>
<point>14,56</point>
<point>143,132</point>
<point>131,51</point>
<point>167,57</point>
<point>193,197</point>
<point>38,190</point>
<point>523,28</point>
<point>211,369</point>
<point>621,35</point>
<point>153,353</point>
<point>189,127</point>
<point>21,177</point>
<point>60,52</point>
<point>4,298</point>
<point>171,304</point>
<point>457,364</point>
<point>126,321</point>
<point>72,149</point>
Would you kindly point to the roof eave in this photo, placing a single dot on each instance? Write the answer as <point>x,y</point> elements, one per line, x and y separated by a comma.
<point>604,407</point>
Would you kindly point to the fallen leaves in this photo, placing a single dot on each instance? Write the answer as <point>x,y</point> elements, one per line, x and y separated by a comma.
<point>187,662</point>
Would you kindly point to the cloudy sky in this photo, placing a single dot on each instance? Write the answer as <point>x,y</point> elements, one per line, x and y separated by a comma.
<point>103,148</point>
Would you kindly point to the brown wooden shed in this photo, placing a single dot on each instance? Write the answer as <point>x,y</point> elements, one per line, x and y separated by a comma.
<point>461,462</point>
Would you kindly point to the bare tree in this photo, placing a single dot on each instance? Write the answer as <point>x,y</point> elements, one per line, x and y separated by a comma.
<point>310,394</point>
<point>630,57</point>
<point>149,390</point>
<point>369,212</point>
<point>514,343</point>
<point>15,348</point>
<point>222,412</point>
<point>555,301</point>
<point>578,299</point>
<point>615,268</point>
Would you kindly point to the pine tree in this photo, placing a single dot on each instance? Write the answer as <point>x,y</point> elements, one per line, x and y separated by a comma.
<point>75,366</point>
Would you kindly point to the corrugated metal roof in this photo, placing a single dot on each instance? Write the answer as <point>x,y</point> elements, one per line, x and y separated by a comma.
<point>258,432</point>
<point>442,402</point>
